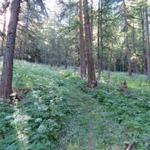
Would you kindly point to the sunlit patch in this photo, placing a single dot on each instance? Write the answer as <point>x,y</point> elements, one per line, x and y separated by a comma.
<point>7,18</point>
<point>37,120</point>
<point>22,137</point>
<point>4,18</point>
<point>42,128</point>
<point>20,119</point>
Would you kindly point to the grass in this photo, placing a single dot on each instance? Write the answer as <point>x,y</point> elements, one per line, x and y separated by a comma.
<point>61,113</point>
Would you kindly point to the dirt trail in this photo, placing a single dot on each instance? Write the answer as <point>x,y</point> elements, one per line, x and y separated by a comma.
<point>90,134</point>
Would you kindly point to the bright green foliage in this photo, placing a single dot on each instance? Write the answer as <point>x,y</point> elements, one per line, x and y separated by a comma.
<point>35,122</point>
<point>115,118</point>
<point>60,112</point>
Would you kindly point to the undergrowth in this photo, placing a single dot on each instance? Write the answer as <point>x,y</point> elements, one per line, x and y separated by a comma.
<point>61,113</point>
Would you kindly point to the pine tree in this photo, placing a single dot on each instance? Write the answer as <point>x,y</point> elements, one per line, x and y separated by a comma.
<point>88,38</point>
<point>7,72</point>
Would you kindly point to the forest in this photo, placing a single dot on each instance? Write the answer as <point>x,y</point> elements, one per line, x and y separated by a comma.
<point>74,74</point>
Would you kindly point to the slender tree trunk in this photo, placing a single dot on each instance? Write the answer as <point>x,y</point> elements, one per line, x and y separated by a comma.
<point>92,15</point>
<point>143,38</point>
<point>142,31</point>
<point>126,40</point>
<point>109,65</point>
<point>88,38</point>
<point>99,37</point>
<point>134,64</point>
<point>128,57</point>
<point>133,38</point>
<point>7,72</point>
<point>82,43</point>
<point>147,40</point>
<point>66,59</point>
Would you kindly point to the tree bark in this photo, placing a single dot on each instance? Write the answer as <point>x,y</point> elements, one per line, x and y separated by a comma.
<point>82,43</point>
<point>143,47</point>
<point>7,72</point>
<point>66,58</point>
<point>126,40</point>
<point>99,37</point>
<point>147,40</point>
<point>92,16</point>
<point>88,38</point>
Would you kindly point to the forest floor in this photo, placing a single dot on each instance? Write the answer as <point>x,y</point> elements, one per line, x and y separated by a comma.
<point>61,113</point>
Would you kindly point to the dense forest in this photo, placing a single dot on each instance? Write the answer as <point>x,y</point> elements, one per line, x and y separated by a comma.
<point>75,74</point>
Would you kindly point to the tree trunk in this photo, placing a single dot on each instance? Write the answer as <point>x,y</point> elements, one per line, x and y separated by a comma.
<point>92,16</point>
<point>147,40</point>
<point>82,44</point>
<point>99,37</point>
<point>133,38</point>
<point>66,57</point>
<point>88,38</point>
<point>7,72</point>
<point>143,47</point>
<point>128,56</point>
<point>126,40</point>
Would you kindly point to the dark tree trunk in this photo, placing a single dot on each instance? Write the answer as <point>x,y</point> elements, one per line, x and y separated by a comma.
<point>82,44</point>
<point>128,56</point>
<point>143,47</point>
<point>99,38</point>
<point>66,57</point>
<point>88,38</point>
<point>147,40</point>
<point>133,38</point>
<point>7,72</point>
<point>126,40</point>
<point>92,16</point>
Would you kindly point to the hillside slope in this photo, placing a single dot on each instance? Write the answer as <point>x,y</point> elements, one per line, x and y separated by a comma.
<point>60,112</point>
